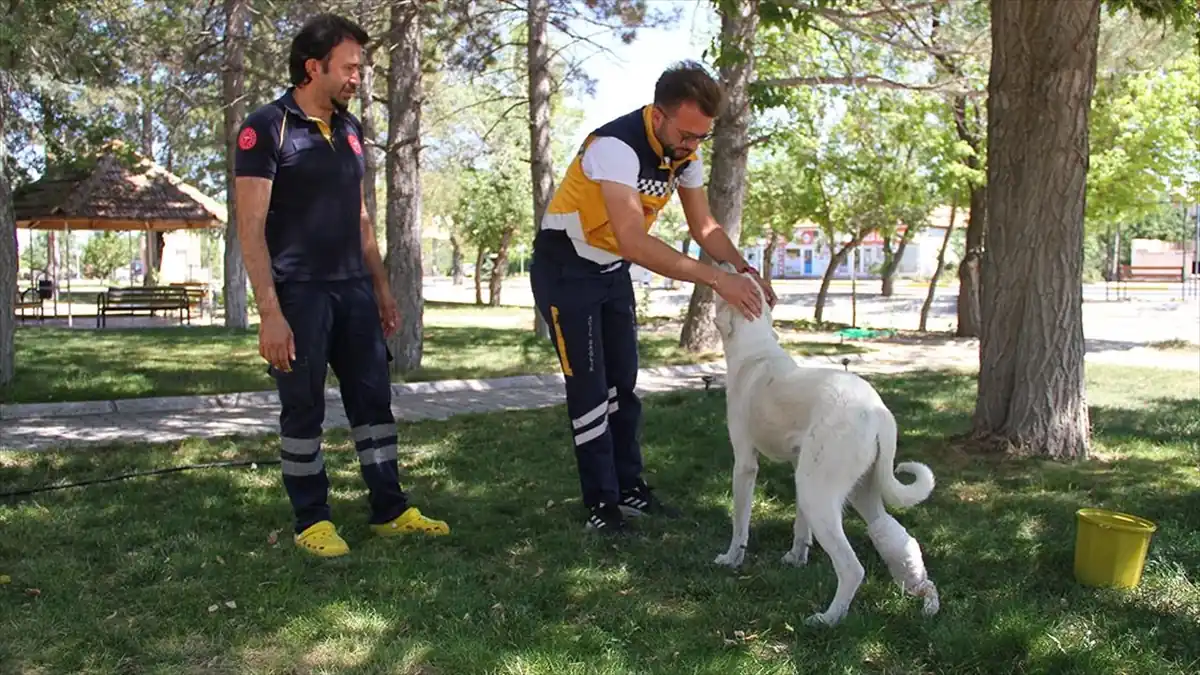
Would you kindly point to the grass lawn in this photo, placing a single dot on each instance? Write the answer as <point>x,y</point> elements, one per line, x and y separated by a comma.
<point>182,572</point>
<point>461,341</point>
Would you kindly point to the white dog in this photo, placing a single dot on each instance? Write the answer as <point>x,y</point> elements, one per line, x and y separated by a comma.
<point>840,438</point>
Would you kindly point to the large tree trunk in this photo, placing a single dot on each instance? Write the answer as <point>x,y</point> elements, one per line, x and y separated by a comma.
<point>404,94</point>
<point>233,85</point>
<point>827,278</point>
<point>937,270</point>
<point>8,253</point>
<point>727,189</point>
<point>970,320</point>
<point>540,165</point>
<point>479,274</point>
<point>1031,378</point>
<point>499,268</point>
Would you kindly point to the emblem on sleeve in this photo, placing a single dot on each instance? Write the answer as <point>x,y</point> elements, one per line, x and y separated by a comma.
<point>247,138</point>
<point>353,140</point>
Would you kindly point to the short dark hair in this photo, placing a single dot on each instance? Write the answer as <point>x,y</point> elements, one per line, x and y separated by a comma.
<point>316,40</point>
<point>688,81</point>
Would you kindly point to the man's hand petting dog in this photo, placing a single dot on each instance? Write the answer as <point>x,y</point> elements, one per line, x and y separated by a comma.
<point>740,291</point>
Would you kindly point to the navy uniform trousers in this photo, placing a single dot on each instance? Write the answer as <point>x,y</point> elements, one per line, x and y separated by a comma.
<point>336,323</point>
<point>592,319</point>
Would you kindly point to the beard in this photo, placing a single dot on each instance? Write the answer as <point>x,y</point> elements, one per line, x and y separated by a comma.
<point>670,152</point>
<point>342,96</point>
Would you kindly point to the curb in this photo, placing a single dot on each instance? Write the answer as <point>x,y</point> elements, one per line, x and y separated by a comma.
<point>270,399</point>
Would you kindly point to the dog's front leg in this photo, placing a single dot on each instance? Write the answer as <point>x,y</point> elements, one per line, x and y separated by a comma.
<point>745,471</point>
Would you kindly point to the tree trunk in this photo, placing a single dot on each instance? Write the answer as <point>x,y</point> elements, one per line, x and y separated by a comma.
<point>769,256</point>
<point>827,278</point>
<point>153,256</point>
<point>886,287</point>
<point>233,85</point>
<point>8,252</point>
<point>404,95</point>
<point>479,274</point>
<point>1031,377</point>
<point>968,130</point>
<point>366,89</point>
<point>891,262</point>
<point>969,319</point>
<point>499,268</point>
<point>937,270</point>
<point>540,165</point>
<point>456,260</point>
<point>727,189</point>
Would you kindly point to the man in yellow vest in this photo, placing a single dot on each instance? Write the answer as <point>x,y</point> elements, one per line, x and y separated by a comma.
<point>596,226</point>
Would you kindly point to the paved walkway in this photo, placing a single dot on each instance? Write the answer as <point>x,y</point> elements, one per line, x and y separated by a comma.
<point>41,426</point>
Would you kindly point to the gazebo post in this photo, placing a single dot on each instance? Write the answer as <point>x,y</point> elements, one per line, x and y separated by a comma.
<point>70,310</point>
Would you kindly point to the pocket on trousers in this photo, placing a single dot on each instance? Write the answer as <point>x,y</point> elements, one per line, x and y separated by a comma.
<point>295,387</point>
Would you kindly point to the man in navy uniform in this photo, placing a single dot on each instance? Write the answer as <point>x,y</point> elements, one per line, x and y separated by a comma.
<point>319,282</point>
<point>599,222</point>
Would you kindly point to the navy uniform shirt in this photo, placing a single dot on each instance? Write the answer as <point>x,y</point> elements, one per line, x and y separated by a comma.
<point>313,219</point>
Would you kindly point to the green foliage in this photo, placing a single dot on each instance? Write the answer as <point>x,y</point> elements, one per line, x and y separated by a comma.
<point>1182,14</point>
<point>105,252</point>
<point>493,204</point>
<point>1144,144</point>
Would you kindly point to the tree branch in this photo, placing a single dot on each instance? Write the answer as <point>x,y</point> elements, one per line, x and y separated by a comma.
<point>867,81</point>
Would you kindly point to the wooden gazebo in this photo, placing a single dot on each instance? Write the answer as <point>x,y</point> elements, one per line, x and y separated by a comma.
<point>119,190</point>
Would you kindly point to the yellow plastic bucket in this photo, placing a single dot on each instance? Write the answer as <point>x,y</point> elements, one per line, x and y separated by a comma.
<point>1110,548</point>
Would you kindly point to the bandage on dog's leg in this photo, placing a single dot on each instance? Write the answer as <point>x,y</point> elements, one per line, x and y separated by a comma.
<point>902,554</point>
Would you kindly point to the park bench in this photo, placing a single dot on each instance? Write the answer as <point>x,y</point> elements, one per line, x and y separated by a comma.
<point>1144,273</point>
<point>149,299</point>
<point>31,299</point>
<point>197,293</point>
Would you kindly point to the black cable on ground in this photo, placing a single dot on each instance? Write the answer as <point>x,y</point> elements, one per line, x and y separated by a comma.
<point>139,474</point>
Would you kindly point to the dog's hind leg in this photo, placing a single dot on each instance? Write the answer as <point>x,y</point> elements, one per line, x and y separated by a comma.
<point>824,513</point>
<point>745,472</point>
<point>899,550</point>
<point>801,536</point>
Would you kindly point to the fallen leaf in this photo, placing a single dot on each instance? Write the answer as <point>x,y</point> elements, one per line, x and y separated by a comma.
<point>212,608</point>
<point>549,503</point>
<point>788,627</point>
<point>220,560</point>
<point>231,604</point>
<point>112,616</point>
<point>538,573</point>
<point>5,579</point>
<point>33,592</point>
<point>273,538</point>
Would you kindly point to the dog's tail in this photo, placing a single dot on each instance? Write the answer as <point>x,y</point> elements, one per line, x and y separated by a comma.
<point>896,493</point>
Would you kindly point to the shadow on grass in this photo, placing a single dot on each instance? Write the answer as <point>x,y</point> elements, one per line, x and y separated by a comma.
<point>128,571</point>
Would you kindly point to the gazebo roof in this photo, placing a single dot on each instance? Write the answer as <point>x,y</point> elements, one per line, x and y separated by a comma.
<point>119,190</point>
